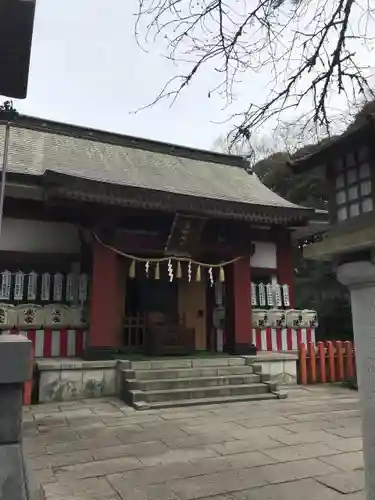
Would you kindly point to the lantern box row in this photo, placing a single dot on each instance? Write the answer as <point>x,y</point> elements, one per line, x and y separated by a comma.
<point>47,287</point>
<point>291,318</point>
<point>270,295</point>
<point>37,316</point>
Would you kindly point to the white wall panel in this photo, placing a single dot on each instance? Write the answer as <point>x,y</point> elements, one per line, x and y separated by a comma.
<point>21,235</point>
<point>264,255</point>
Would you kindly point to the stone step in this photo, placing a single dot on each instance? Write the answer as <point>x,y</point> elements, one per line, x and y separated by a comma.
<point>221,371</point>
<point>199,392</point>
<point>195,382</point>
<point>172,363</point>
<point>142,405</point>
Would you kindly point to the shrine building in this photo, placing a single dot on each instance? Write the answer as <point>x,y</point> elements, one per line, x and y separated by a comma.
<point>114,244</point>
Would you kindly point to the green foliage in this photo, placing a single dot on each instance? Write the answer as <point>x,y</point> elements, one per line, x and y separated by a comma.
<point>309,189</point>
<point>7,111</point>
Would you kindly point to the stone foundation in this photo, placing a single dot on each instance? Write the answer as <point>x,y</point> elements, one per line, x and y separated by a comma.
<point>67,379</point>
<point>282,368</point>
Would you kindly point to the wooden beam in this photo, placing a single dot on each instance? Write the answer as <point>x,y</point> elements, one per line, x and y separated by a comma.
<point>154,243</point>
<point>30,260</point>
<point>339,244</point>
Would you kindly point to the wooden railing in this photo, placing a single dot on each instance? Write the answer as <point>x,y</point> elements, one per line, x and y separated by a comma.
<point>326,362</point>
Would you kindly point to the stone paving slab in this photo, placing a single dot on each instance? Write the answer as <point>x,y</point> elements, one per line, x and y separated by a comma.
<point>144,450</point>
<point>100,442</point>
<point>154,475</point>
<point>300,452</point>
<point>284,472</point>
<point>240,446</point>
<point>60,460</point>
<point>346,461</point>
<point>223,482</point>
<point>306,447</point>
<point>296,490</point>
<point>96,488</point>
<point>344,482</point>
<point>349,444</point>
<point>98,468</point>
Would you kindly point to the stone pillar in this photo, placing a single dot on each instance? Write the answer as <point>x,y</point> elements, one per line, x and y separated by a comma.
<point>15,354</point>
<point>105,316</point>
<point>359,277</point>
<point>285,269</point>
<point>243,337</point>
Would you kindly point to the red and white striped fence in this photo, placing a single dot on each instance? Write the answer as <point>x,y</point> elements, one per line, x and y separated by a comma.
<point>282,339</point>
<point>63,343</point>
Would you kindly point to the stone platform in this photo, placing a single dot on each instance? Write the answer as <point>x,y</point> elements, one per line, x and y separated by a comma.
<point>66,379</point>
<point>308,446</point>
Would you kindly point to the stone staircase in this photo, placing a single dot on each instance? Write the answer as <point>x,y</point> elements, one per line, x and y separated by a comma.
<point>183,382</point>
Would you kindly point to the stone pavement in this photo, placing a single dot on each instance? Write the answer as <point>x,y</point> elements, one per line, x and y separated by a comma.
<point>305,447</point>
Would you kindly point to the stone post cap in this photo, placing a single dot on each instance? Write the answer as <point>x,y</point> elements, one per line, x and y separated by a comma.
<point>15,356</point>
<point>357,274</point>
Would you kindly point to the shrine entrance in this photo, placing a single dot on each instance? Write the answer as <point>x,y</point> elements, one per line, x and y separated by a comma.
<point>144,296</point>
<point>154,320</point>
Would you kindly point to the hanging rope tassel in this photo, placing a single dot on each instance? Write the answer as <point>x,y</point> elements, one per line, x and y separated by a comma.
<point>179,270</point>
<point>157,271</point>
<point>221,275</point>
<point>132,270</point>
<point>198,275</point>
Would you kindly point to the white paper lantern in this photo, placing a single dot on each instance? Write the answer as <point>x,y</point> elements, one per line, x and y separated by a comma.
<point>70,287</point>
<point>269,295</point>
<point>253,294</point>
<point>45,292</point>
<point>6,280</point>
<point>277,292</point>
<point>82,287</point>
<point>286,298</point>
<point>262,294</point>
<point>57,287</point>
<point>19,282</point>
<point>32,281</point>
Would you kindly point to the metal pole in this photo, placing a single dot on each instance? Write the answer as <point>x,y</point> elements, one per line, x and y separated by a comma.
<point>4,172</point>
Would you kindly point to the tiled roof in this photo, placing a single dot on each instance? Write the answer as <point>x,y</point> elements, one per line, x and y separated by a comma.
<point>35,151</point>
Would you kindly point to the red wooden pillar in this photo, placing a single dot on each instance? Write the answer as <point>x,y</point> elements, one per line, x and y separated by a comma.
<point>105,314</point>
<point>242,302</point>
<point>285,264</point>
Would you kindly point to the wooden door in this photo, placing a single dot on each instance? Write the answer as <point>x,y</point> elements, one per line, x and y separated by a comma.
<point>192,307</point>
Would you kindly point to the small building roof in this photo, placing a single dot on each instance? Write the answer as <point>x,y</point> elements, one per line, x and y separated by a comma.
<point>340,144</point>
<point>38,148</point>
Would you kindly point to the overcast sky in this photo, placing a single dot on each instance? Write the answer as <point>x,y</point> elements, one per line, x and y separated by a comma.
<point>87,69</point>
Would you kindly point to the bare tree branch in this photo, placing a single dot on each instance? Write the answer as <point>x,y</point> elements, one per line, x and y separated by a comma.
<point>309,47</point>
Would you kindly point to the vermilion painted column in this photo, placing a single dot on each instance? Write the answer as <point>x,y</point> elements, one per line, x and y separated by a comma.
<point>105,315</point>
<point>285,264</point>
<point>242,301</point>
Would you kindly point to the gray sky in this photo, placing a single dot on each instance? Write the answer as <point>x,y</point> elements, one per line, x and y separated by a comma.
<point>87,69</point>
